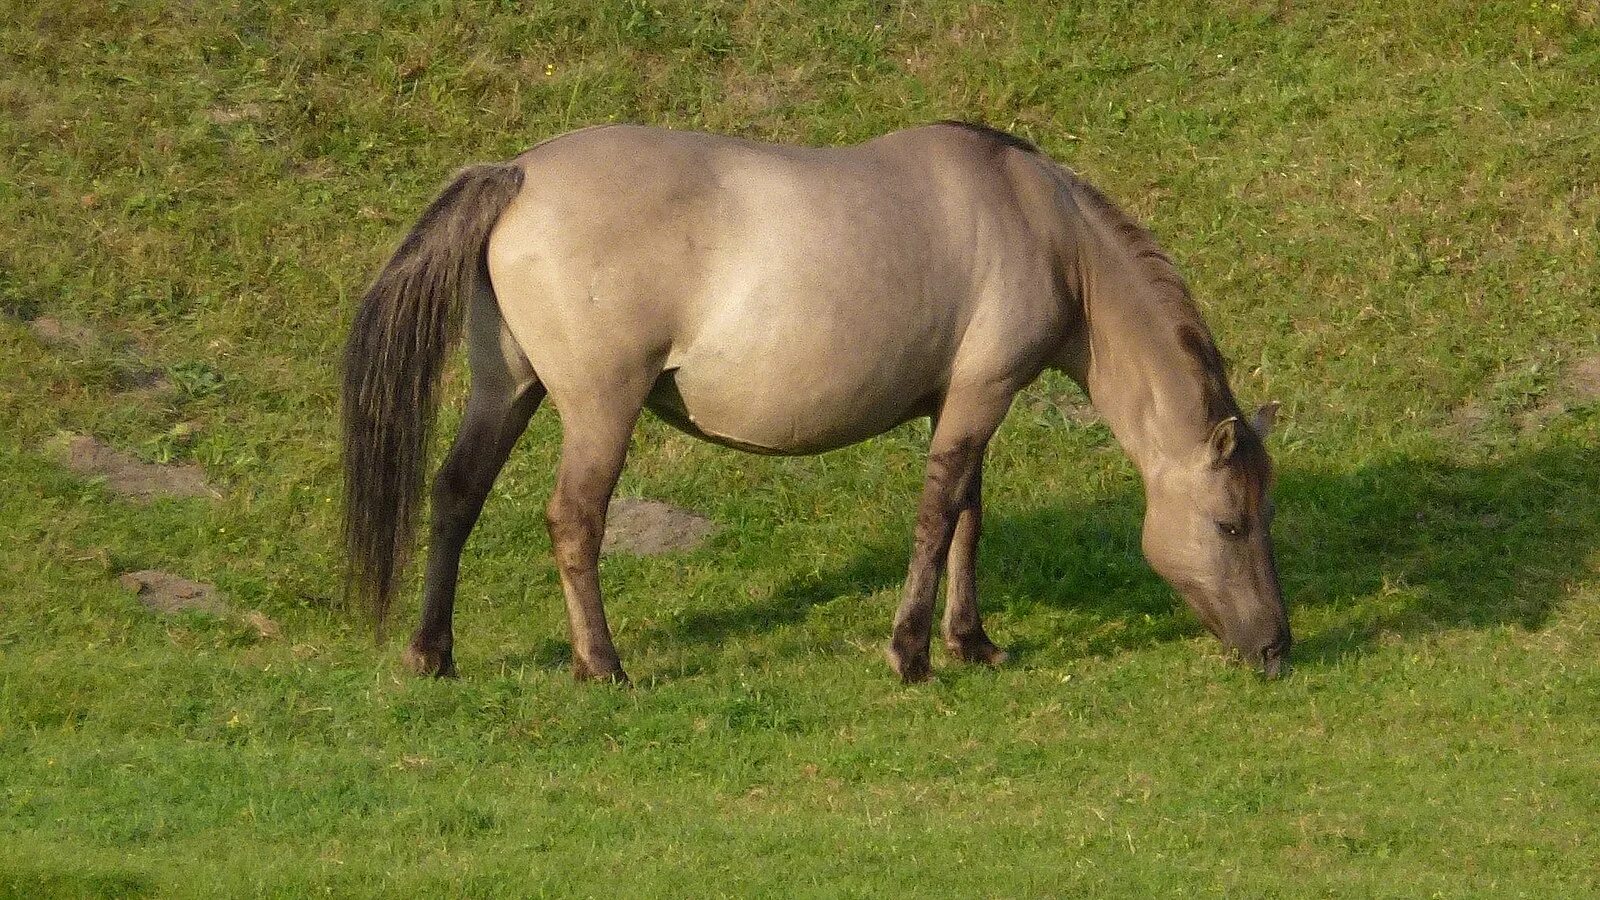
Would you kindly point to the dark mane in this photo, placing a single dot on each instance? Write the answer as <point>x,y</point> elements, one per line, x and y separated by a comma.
<point>1002,137</point>
<point>1169,285</point>
<point>1138,240</point>
<point>1165,279</point>
<point>1218,396</point>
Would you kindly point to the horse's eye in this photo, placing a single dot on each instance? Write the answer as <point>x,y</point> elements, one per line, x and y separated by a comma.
<point>1231,529</point>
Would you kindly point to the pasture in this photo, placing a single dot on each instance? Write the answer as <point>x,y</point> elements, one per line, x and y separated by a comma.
<point>1388,212</point>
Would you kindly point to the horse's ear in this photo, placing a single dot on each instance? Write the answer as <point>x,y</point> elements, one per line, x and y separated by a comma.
<point>1265,418</point>
<point>1224,438</point>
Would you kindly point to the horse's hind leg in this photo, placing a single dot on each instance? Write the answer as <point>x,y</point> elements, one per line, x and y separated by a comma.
<point>964,636</point>
<point>594,443</point>
<point>503,397</point>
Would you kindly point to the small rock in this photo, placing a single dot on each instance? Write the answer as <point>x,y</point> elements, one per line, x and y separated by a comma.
<point>642,527</point>
<point>166,593</point>
<point>135,479</point>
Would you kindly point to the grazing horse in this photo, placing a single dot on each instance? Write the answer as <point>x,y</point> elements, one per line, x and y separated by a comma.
<point>791,300</point>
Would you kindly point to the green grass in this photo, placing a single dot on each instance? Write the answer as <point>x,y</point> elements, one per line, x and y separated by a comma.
<point>1388,212</point>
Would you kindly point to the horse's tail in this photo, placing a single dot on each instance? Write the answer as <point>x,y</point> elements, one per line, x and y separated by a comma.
<point>405,324</point>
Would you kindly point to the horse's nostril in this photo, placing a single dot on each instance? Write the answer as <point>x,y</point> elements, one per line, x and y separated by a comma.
<point>1275,659</point>
<point>1272,668</point>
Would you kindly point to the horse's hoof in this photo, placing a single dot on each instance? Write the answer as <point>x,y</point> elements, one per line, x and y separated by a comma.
<point>613,674</point>
<point>435,663</point>
<point>977,650</point>
<point>912,666</point>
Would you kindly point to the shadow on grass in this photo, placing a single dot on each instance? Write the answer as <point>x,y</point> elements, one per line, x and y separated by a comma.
<point>1414,546</point>
<point>545,653</point>
<point>1404,546</point>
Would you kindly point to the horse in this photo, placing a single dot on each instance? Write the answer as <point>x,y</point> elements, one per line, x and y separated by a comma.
<point>792,300</point>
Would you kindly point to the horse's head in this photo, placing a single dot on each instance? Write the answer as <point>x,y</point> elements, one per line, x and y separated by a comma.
<point>1207,531</point>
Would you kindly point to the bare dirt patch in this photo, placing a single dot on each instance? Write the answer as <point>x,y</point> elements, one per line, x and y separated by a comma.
<point>1469,418</point>
<point>133,478</point>
<point>169,594</point>
<point>233,115</point>
<point>56,334</point>
<point>166,593</point>
<point>1582,378</point>
<point>265,628</point>
<point>641,527</point>
<point>1578,385</point>
<point>1046,403</point>
<point>142,381</point>
<point>131,374</point>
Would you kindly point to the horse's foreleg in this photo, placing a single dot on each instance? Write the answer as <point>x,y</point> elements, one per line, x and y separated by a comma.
<point>965,423</point>
<point>593,446</point>
<point>497,413</point>
<point>964,636</point>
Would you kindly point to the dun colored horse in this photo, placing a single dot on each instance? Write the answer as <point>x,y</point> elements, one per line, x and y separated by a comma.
<point>792,300</point>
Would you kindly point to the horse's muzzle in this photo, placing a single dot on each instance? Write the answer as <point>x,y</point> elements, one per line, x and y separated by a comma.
<point>1274,658</point>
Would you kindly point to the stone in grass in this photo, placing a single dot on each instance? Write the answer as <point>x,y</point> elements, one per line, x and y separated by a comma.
<point>133,478</point>
<point>641,527</point>
<point>166,593</point>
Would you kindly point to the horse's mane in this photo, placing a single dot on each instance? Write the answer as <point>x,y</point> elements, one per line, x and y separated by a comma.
<point>1169,285</point>
<point>995,134</point>
<point>1141,245</point>
<point>1165,280</point>
<point>1134,237</point>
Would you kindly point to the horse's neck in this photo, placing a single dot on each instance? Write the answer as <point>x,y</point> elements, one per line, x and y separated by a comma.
<point>1139,375</point>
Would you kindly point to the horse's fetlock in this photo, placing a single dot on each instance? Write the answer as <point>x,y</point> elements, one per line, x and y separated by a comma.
<point>438,662</point>
<point>975,647</point>
<point>909,659</point>
<point>608,671</point>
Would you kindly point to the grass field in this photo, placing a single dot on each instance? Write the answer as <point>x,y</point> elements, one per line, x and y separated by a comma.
<point>1388,211</point>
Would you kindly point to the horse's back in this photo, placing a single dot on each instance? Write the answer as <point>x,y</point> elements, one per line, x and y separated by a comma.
<point>798,298</point>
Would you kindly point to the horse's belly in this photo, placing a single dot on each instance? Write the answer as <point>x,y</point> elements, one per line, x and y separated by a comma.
<point>791,413</point>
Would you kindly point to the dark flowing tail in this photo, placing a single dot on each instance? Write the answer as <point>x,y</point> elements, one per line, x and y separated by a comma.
<point>406,323</point>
